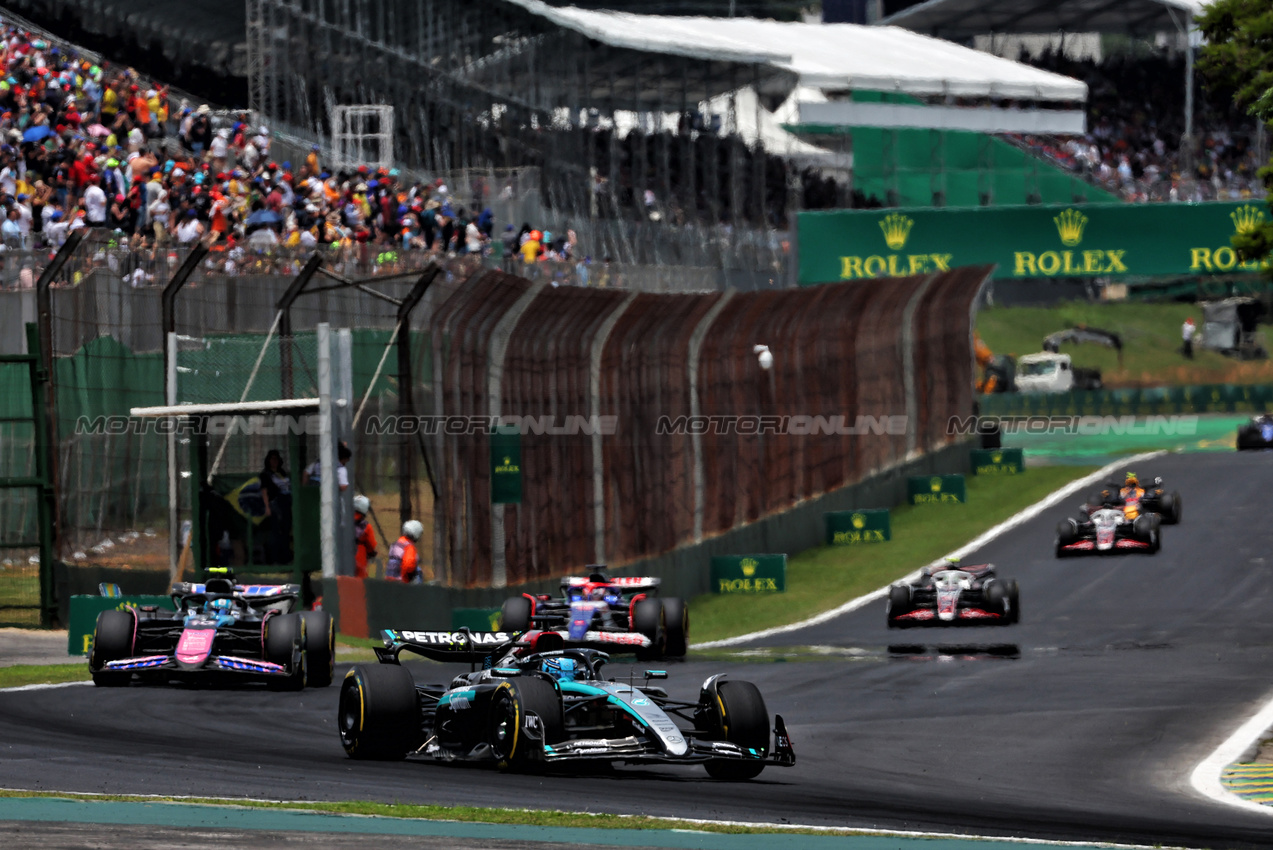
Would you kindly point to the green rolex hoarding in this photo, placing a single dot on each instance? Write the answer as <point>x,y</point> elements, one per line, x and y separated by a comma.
<point>848,528</point>
<point>998,461</point>
<point>1079,240</point>
<point>506,465</point>
<point>936,489</point>
<point>749,574</point>
<point>84,611</point>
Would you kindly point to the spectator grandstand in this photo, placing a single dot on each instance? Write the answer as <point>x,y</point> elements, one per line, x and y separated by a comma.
<point>1133,146</point>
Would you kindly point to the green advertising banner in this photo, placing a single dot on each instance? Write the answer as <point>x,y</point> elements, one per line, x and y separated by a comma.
<point>1201,398</point>
<point>476,619</point>
<point>749,574</point>
<point>1079,240</point>
<point>936,489</point>
<point>84,611</point>
<point>506,465</point>
<point>998,461</point>
<point>849,528</point>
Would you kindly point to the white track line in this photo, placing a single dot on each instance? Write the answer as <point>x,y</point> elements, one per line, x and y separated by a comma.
<point>229,802</point>
<point>42,687</point>
<point>973,545</point>
<point>1205,778</point>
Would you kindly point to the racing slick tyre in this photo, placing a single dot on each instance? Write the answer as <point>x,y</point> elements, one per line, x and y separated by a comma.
<point>1146,528</point>
<point>1014,596</point>
<point>320,648</point>
<point>515,615</point>
<point>379,714</point>
<point>285,645</point>
<point>648,619</point>
<point>112,640</point>
<point>899,603</point>
<point>676,619</point>
<point>999,600</point>
<point>1171,508</point>
<point>741,718</point>
<point>512,702</point>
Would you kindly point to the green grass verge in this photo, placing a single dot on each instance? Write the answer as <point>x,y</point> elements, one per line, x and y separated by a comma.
<point>822,578</point>
<point>1151,342</point>
<point>42,674</point>
<point>464,814</point>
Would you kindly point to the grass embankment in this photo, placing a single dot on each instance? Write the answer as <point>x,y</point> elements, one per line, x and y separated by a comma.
<point>822,578</point>
<point>42,674</point>
<point>1151,343</point>
<point>463,814</point>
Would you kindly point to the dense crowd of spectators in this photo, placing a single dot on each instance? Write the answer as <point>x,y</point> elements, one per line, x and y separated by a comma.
<point>84,145</point>
<point>1135,127</point>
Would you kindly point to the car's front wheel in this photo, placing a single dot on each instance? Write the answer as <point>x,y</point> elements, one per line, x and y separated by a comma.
<point>112,640</point>
<point>285,645</point>
<point>740,717</point>
<point>516,743</point>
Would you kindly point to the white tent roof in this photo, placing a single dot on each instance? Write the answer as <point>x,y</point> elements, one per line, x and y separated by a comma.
<point>826,56</point>
<point>962,19</point>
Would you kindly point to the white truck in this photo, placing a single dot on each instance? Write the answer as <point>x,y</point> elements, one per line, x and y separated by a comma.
<point>1050,372</point>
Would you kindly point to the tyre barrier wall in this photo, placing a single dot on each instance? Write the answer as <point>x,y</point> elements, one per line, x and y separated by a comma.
<point>362,607</point>
<point>892,358</point>
<point>1200,398</point>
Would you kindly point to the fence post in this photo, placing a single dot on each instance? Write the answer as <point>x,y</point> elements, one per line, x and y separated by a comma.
<point>44,317</point>
<point>45,500</point>
<point>406,395</point>
<point>594,405</point>
<point>908,366</point>
<point>495,365</point>
<point>169,307</point>
<point>696,408</point>
<point>294,290</point>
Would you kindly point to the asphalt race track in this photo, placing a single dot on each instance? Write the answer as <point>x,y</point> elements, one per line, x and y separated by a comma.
<point>1130,670</point>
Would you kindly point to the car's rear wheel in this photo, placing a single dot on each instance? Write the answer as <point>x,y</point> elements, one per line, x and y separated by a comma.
<point>320,648</point>
<point>740,717</point>
<point>1014,596</point>
<point>1172,508</point>
<point>648,619</point>
<point>285,646</point>
<point>515,615</point>
<point>512,702</point>
<point>676,618</point>
<point>112,640</point>
<point>379,714</point>
<point>899,603</point>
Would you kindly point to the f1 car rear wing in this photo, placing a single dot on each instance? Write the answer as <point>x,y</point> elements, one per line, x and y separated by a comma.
<point>625,582</point>
<point>463,646</point>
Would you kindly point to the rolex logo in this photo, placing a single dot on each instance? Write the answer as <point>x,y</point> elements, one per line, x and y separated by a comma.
<point>1246,219</point>
<point>997,457</point>
<point>934,484</point>
<point>858,521</point>
<point>1070,224</point>
<point>897,229</point>
<point>508,461</point>
<point>749,566</point>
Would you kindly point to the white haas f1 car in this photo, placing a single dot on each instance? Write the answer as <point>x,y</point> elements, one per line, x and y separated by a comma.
<point>1107,530</point>
<point>956,596</point>
<point>610,613</point>
<point>536,702</point>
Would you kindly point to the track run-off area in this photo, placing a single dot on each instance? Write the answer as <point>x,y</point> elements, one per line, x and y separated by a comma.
<point>1085,722</point>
